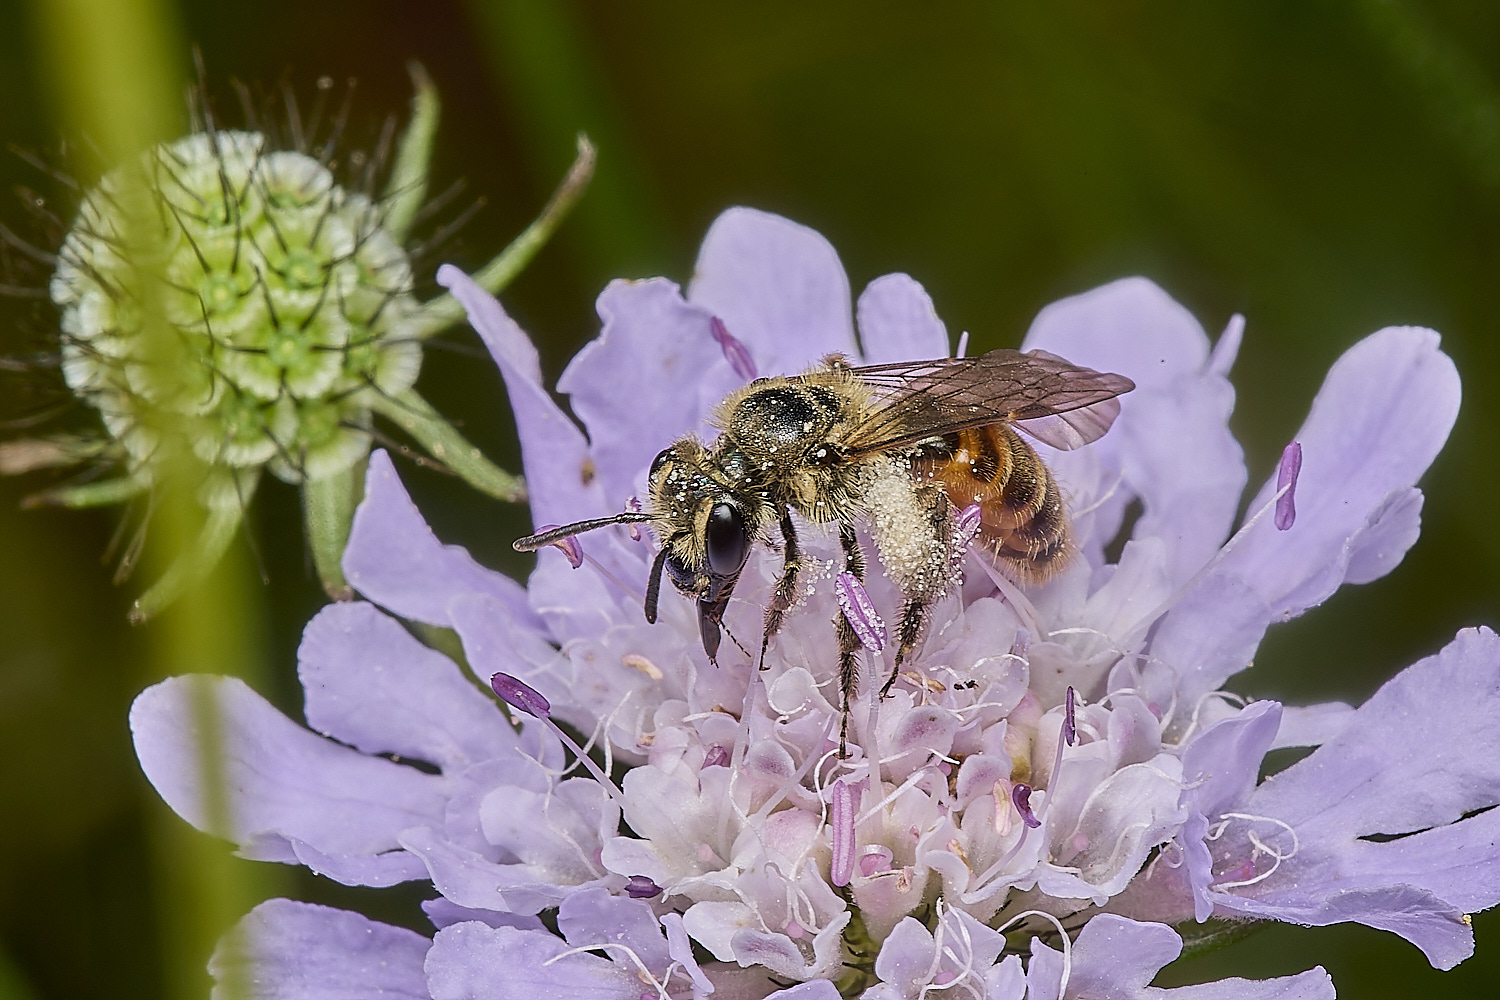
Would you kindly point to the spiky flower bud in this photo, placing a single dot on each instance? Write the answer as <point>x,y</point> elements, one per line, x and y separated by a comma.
<point>292,306</point>
<point>230,306</point>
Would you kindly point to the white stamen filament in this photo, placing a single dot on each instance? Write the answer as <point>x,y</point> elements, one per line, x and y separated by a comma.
<point>1067,945</point>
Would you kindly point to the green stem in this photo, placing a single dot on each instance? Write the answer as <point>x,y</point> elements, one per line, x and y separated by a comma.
<point>443,311</point>
<point>407,187</point>
<point>415,416</point>
<point>191,565</point>
<point>100,494</point>
<point>327,511</point>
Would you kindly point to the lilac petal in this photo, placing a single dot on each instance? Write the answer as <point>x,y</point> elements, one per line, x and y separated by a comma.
<point>897,322</point>
<point>375,870</point>
<point>289,783</point>
<point>736,353</point>
<point>474,962</point>
<point>593,917</point>
<point>680,950</point>
<point>778,285</point>
<point>445,913</point>
<point>560,476</point>
<point>1219,767</point>
<point>1115,958</point>
<point>817,989</point>
<point>495,642</point>
<point>370,684</point>
<point>1211,633</point>
<point>1286,479</point>
<point>472,880</point>
<point>1311,725</point>
<point>285,950</point>
<point>905,959</point>
<point>1380,418</point>
<point>636,386</point>
<point>395,560</point>
<point>1420,755</point>
<point>860,611</point>
<point>1171,444</point>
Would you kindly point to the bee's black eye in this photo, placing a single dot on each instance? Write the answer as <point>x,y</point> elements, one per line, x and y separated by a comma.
<point>661,459</point>
<point>727,541</point>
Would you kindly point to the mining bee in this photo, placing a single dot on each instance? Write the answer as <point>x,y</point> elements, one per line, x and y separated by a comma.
<point>905,447</point>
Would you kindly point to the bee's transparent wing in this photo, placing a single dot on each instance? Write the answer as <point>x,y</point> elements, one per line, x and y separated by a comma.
<point>1059,403</point>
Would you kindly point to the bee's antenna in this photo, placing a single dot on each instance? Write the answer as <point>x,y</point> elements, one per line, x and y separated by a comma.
<point>544,538</point>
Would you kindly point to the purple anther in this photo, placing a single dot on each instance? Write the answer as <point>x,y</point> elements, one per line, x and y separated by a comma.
<point>570,547</point>
<point>521,696</point>
<point>634,506</point>
<point>734,352</point>
<point>1286,479</point>
<point>855,602</point>
<point>968,523</point>
<point>641,887</point>
<point>1070,719</point>
<point>841,819</point>
<point>1020,797</point>
<point>716,756</point>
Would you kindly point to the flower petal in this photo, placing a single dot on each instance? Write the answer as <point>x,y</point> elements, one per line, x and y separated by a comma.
<point>395,560</point>
<point>1115,959</point>
<point>778,287</point>
<point>905,959</point>
<point>650,377</point>
<point>897,322</point>
<point>285,950</point>
<point>370,684</point>
<point>595,919</point>
<point>288,782</point>
<point>1377,423</point>
<point>1171,443</point>
<point>1417,758</point>
<point>554,454</point>
<point>472,961</point>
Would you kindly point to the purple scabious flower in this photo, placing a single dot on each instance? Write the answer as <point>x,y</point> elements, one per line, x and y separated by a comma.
<point>1055,791</point>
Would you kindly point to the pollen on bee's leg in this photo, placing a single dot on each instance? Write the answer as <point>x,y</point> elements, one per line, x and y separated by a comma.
<point>859,610</point>
<point>1286,480</point>
<point>734,352</point>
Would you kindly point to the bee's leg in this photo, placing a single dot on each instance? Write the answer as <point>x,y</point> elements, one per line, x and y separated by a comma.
<point>926,579</point>
<point>786,587</point>
<point>849,644</point>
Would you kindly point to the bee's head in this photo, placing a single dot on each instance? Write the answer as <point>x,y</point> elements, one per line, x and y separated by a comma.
<point>707,526</point>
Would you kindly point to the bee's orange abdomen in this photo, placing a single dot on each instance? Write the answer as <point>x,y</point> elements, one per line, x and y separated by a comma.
<point>1022,519</point>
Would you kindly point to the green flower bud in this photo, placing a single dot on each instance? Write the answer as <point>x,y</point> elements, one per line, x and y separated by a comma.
<point>290,321</point>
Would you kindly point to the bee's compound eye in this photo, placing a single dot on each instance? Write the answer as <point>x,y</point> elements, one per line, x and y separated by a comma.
<point>727,541</point>
<point>660,460</point>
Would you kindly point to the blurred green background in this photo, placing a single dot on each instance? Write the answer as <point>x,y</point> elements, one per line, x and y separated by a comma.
<point>1326,167</point>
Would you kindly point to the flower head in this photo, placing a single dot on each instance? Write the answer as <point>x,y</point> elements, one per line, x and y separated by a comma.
<point>229,307</point>
<point>1055,772</point>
